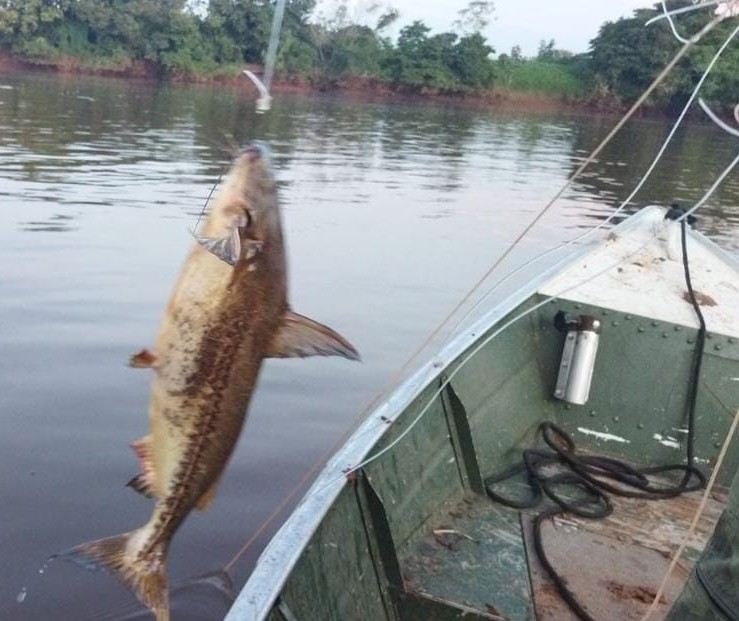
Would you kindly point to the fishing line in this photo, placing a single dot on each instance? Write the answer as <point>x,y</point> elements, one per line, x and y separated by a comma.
<point>679,219</point>
<point>403,369</point>
<point>638,187</point>
<point>623,204</point>
<point>686,9</point>
<point>712,115</point>
<point>716,184</point>
<point>207,200</point>
<point>469,357</point>
<point>327,455</point>
<point>670,21</point>
<point>658,80</point>
<point>269,65</point>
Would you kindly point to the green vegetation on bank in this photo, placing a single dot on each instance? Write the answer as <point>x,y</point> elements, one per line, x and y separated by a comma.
<point>181,38</point>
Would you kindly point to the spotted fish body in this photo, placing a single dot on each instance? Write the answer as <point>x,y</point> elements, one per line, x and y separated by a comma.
<point>227,313</point>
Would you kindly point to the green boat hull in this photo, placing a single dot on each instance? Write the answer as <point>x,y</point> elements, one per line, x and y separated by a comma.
<point>412,534</point>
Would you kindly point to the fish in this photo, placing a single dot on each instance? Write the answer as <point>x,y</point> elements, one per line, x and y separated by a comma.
<point>228,312</point>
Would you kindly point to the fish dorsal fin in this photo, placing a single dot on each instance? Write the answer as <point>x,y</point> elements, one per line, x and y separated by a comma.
<point>227,248</point>
<point>300,337</point>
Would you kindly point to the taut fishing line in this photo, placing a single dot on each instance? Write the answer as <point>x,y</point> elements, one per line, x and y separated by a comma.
<point>631,196</point>
<point>291,495</point>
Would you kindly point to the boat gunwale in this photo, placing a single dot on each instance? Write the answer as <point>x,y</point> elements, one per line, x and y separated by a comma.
<point>278,559</point>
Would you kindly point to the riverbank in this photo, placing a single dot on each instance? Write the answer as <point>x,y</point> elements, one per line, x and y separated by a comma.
<point>355,87</point>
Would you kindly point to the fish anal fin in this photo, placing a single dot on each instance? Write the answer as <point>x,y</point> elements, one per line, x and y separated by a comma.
<point>145,482</point>
<point>143,571</point>
<point>143,360</point>
<point>300,337</point>
<point>142,485</point>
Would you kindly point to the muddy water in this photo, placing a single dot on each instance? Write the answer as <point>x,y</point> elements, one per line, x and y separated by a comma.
<point>392,210</point>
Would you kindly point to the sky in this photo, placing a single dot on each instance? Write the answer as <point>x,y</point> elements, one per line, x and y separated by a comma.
<point>571,23</point>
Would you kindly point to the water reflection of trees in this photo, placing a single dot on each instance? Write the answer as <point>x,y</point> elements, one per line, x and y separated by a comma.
<point>57,128</point>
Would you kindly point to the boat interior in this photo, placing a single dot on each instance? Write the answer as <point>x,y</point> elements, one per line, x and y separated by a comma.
<point>433,545</point>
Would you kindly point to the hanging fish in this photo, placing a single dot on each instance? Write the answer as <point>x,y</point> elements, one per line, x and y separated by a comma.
<point>228,312</point>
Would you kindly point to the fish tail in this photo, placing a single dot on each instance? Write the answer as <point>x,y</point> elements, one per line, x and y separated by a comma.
<point>141,567</point>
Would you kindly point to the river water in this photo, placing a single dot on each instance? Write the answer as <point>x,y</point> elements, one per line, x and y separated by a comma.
<point>392,210</point>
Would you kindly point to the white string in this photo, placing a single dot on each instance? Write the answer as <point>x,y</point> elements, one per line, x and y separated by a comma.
<point>700,203</point>
<point>269,65</point>
<point>469,357</point>
<point>712,115</point>
<point>627,200</point>
<point>672,23</point>
<point>264,102</point>
<point>509,323</point>
<point>715,185</point>
<point>687,9</point>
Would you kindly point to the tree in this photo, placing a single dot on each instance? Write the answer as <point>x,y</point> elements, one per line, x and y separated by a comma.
<point>30,26</point>
<point>471,62</point>
<point>546,50</point>
<point>475,17</point>
<point>420,61</point>
<point>626,56</point>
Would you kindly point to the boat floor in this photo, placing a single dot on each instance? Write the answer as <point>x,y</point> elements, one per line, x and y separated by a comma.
<point>479,556</point>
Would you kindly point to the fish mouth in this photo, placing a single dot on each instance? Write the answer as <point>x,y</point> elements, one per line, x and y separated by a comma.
<point>256,151</point>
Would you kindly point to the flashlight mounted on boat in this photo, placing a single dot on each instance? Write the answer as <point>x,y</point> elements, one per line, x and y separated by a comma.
<point>582,333</point>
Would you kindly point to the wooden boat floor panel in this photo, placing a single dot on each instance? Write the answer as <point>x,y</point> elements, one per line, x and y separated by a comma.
<point>480,555</point>
<point>474,556</point>
<point>616,565</point>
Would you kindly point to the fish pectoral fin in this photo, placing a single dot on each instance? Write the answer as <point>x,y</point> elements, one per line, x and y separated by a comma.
<point>145,482</point>
<point>143,360</point>
<point>226,248</point>
<point>300,337</point>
